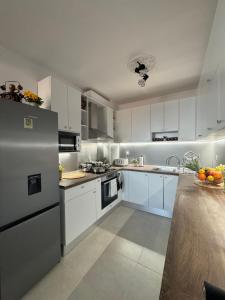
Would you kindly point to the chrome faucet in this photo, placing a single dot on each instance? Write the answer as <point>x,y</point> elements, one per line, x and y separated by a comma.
<point>170,158</point>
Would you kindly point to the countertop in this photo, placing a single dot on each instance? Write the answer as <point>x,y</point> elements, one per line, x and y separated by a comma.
<point>196,247</point>
<point>69,183</point>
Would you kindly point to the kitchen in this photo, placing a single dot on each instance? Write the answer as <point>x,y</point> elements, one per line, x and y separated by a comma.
<point>112,150</point>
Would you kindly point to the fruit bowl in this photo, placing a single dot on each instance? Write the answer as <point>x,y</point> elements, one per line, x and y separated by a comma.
<point>214,176</point>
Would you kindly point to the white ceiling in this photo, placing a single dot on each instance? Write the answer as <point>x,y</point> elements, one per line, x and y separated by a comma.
<point>89,42</point>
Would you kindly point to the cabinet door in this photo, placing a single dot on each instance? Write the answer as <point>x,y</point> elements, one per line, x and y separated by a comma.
<point>141,124</point>
<point>201,113</point>
<point>98,198</point>
<point>212,102</point>
<point>74,110</point>
<point>157,117</point>
<point>125,185</point>
<point>170,189</point>
<point>110,122</point>
<point>187,119</point>
<point>138,188</point>
<point>123,128</point>
<point>80,213</point>
<point>171,113</point>
<point>59,102</point>
<point>221,108</point>
<point>155,191</point>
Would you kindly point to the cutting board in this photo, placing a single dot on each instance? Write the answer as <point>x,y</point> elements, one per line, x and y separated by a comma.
<point>210,186</point>
<point>73,175</point>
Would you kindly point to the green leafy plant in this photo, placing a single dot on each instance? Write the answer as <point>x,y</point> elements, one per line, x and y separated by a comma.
<point>193,165</point>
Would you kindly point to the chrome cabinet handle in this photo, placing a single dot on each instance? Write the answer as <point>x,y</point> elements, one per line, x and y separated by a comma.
<point>65,126</point>
<point>209,128</point>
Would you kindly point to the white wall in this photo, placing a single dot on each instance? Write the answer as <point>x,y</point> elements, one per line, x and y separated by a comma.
<point>15,67</point>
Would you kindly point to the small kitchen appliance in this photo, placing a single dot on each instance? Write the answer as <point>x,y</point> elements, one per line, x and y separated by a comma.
<point>121,162</point>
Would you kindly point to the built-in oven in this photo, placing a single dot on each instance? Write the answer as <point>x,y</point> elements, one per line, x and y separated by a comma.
<point>109,188</point>
<point>69,142</point>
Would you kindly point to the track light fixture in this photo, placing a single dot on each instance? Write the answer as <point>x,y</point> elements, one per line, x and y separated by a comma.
<point>142,65</point>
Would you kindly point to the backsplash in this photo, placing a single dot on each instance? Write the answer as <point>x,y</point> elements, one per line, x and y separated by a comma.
<point>157,153</point>
<point>211,153</point>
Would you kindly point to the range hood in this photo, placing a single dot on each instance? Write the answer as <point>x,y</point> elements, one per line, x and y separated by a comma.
<point>98,126</point>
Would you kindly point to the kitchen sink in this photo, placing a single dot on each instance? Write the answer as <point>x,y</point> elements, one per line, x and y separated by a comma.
<point>181,170</point>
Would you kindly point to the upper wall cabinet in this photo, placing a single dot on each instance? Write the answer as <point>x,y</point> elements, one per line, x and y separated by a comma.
<point>171,115</point>
<point>64,100</point>
<point>157,117</point>
<point>133,125</point>
<point>187,119</point>
<point>123,125</point>
<point>74,109</point>
<point>141,124</point>
<point>165,116</point>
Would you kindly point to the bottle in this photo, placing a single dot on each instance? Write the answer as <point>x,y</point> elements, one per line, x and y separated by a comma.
<point>141,161</point>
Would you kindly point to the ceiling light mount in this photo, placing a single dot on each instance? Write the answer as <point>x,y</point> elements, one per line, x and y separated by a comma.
<point>142,65</point>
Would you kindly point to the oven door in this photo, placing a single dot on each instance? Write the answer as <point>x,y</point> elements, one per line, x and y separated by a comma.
<point>109,192</point>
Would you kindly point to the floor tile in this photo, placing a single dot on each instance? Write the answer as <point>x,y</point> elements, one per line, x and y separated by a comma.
<point>125,247</point>
<point>147,230</point>
<point>112,275</point>
<point>152,260</point>
<point>116,220</point>
<point>145,284</point>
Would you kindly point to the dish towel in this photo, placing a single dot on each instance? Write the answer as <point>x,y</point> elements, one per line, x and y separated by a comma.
<point>113,187</point>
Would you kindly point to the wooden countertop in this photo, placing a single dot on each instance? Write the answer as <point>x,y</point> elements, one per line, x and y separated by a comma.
<point>196,247</point>
<point>69,183</point>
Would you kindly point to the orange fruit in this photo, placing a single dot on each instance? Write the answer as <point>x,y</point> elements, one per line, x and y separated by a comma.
<point>201,176</point>
<point>217,175</point>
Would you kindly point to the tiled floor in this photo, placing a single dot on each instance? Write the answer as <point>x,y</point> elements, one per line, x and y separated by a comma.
<point>122,259</point>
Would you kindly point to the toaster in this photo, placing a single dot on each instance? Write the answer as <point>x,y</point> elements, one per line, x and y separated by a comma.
<point>121,162</point>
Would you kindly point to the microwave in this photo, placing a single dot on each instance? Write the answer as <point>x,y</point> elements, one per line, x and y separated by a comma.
<point>69,141</point>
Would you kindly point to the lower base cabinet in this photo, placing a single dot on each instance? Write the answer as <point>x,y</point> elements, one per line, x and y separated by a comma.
<point>155,182</point>
<point>138,188</point>
<point>170,189</point>
<point>80,213</point>
<point>152,192</point>
<point>81,208</point>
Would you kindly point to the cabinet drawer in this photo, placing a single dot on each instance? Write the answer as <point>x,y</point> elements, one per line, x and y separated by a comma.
<point>80,189</point>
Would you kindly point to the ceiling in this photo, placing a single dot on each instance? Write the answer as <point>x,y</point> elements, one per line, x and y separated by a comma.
<point>89,42</point>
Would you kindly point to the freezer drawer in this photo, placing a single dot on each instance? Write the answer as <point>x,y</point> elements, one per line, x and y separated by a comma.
<point>27,252</point>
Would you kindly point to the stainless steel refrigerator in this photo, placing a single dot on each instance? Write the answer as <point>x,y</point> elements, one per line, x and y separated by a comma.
<point>29,197</point>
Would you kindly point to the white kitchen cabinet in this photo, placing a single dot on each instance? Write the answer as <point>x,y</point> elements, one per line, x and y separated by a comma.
<point>171,115</point>
<point>74,109</point>
<point>58,101</point>
<point>212,101</point>
<point>155,191</point>
<point>125,185</point>
<point>157,117</point>
<point>187,119</point>
<point>170,188</point>
<point>64,100</point>
<point>123,125</point>
<point>110,122</point>
<point>80,213</point>
<point>141,124</point>
<point>201,113</point>
<point>138,188</point>
<point>221,107</point>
